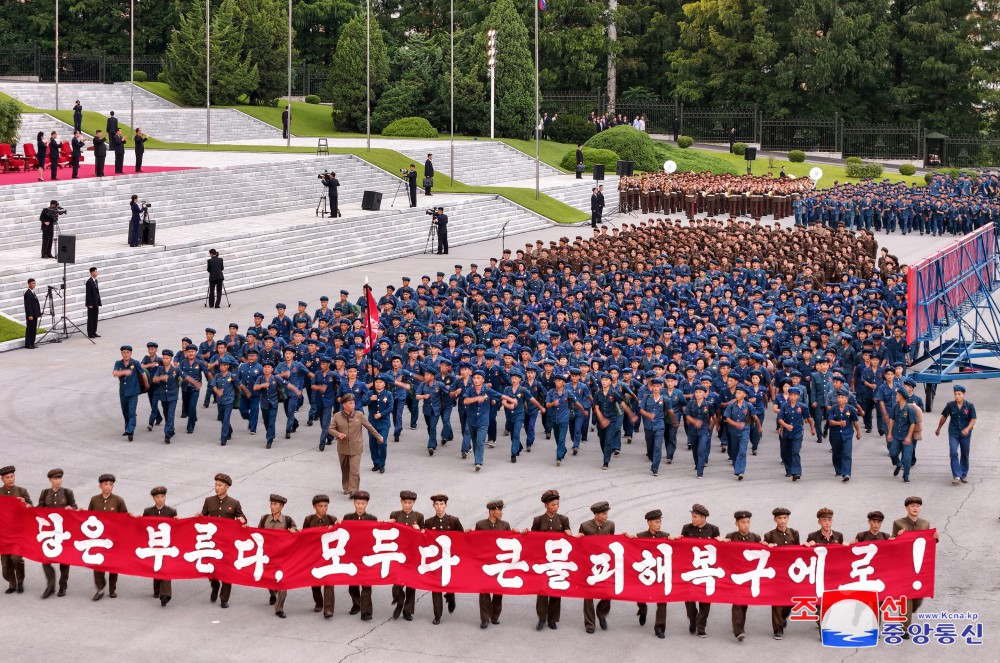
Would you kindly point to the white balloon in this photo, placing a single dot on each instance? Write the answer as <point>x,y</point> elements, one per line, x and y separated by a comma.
<point>816,174</point>
<point>669,166</point>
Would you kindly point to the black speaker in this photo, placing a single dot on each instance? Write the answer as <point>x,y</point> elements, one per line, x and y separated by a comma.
<point>149,233</point>
<point>624,168</point>
<point>371,200</point>
<point>750,154</point>
<point>66,249</point>
<point>598,171</point>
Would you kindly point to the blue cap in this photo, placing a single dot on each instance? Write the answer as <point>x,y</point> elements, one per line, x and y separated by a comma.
<point>302,303</point>
<point>324,298</point>
<point>743,388</point>
<point>152,344</point>
<point>125,347</point>
<point>902,392</point>
<point>958,387</point>
<point>842,392</point>
<point>258,315</point>
<point>209,330</point>
<point>167,353</point>
<point>479,372</point>
<point>701,387</point>
<point>343,292</point>
<point>280,305</point>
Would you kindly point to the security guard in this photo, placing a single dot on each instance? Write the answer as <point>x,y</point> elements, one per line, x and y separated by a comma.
<point>277,520</point>
<point>221,505</point>
<point>361,596</point>
<point>744,534</point>
<point>13,565</point>
<point>323,597</point>
<point>404,598</point>
<point>56,497</point>
<point>654,521</point>
<point>108,502</point>
<point>442,521</point>
<point>161,588</point>
<point>699,528</point>
<point>127,370</point>
<point>491,605</point>
<point>598,525</point>
<point>547,607</point>
<point>781,535</point>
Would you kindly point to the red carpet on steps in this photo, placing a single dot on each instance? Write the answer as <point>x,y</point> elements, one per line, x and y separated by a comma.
<point>86,172</point>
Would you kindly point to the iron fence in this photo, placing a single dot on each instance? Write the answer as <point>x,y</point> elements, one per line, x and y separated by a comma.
<point>970,152</point>
<point>659,115</point>
<point>713,124</point>
<point>808,135</point>
<point>882,141</point>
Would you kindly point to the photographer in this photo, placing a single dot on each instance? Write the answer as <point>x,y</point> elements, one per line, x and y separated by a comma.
<point>135,222</point>
<point>49,219</point>
<point>215,279</point>
<point>440,220</point>
<point>411,183</point>
<point>331,182</point>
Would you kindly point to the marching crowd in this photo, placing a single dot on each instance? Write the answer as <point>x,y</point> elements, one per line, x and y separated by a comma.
<point>548,608</point>
<point>631,333</point>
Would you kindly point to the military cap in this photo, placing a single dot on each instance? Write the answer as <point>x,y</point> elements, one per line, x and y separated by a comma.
<point>837,376</point>
<point>407,495</point>
<point>192,347</point>
<point>559,376</point>
<point>440,497</point>
<point>320,499</point>
<point>494,504</point>
<point>780,511</point>
<point>186,340</point>
<point>233,325</point>
<point>740,515</point>
<point>100,479</point>
<point>700,387</point>
<point>280,305</point>
<point>125,347</point>
<point>600,507</point>
<point>224,478</point>
<point>269,363</point>
<point>842,392</point>
<point>743,388</point>
<point>361,495</point>
<point>958,387</point>
<point>278,498</point>
<point>655,514</point>
<point>170,353</point>
<point>53,474</point>
<point>347,397</point>
<point>7,470</point>
<point>550,495</point>
<point>209,330</point>
<point>902,392</point>
<point>824,513</point>
<point>259,315</point>
<point>479,373</point>
<point>876,515</point>
<point>159,490</point>
<point>302,303</point>
<point>913,499</point>
<point>152,344</point>
<point>700,509</point>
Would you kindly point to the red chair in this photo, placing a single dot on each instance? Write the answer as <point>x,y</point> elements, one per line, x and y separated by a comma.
<point>66,155</point>
<point>11,161</point>
<point>30,157</point>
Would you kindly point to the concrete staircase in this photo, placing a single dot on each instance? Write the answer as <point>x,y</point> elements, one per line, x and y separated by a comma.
<point>577,194</point>
<point>32,123</point>
<point>187,125</point>
<point>98,97</point>
<point>480,163</point>
<point>99,207</point>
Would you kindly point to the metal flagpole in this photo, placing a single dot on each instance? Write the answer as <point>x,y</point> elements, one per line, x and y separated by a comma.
<point>289,142</point>
<point>131,66</point>
<point>57,54</point>
<point>208,73</point>
<point>368,73</point>
<point>452,160</point>
<point>537,132</point>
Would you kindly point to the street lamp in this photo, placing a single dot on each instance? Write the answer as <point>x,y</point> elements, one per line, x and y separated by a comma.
<point>368,74</point>
<point>208,73</point>
<point>452,161</point>
<point>57,54</point>
<point>131,66</point>
<point>491,62</point>
<point>289,140</point>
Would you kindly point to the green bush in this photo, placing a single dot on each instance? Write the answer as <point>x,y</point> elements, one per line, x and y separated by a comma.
<point>908,169</point>
<point>796,156</point>
<point>692,161</point>
<point>410,127</point>
<point>739,148</point>
<point>590,157</point>
<point>864,170</point>
<point>630,144</point>
<point>139,76</point>
<point>312,98</point>
<point>10,121</point>
<point>571,129</point>
<point>854,160</point>
<point>685,142</point>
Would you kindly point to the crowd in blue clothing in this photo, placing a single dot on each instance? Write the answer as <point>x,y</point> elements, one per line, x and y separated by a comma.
<point>707,354</point>
<point>955,206</point>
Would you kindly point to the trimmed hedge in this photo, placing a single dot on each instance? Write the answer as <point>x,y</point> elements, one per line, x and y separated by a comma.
<point>630,144</point>
<point>139,76</point>
<point>908,169</point>
<point>854,160</point>
<point>410,127</point>
<point>684,142</point>
<point>692,161</point>
<point>796,156</point>
<point>312,99</point>
<point>571,129</point>
<point>590,157</point>
<point>739,148</point>
<point>864,170</point>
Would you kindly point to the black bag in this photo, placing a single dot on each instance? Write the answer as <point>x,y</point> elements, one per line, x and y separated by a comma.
<point>428,182</point>
<point>581,167</point>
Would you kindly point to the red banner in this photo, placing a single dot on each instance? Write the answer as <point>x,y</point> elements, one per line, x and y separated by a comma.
<point>371,319</point>
<point>376,553</point>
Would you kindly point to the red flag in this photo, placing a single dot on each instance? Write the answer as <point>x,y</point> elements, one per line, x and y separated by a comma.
<point>371,320</point>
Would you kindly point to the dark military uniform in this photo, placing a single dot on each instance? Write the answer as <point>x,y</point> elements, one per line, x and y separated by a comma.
<point>491,605</point>
<point>404,598</point>
<point>222,507</point>
<point>740,611</point>
<point>790,537</point>
<point>111,503</point>
<point>361,596</point>
<point>835,538</point>
<point>445,523</point>
<point>268,521</point>
<point>162,589</point>
<point>56,499</point>
<point>866,536</point>
<point>322,596</point>
<point>698,612</point>
<point>593,528</point>
<point>547,607</point>
<point>904,524</point>
<point>660,619</point>
<point>13,565</point>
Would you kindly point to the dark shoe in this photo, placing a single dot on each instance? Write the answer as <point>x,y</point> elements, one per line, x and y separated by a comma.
<point>98,596</point>
<point>603,622</point>
<point>49,591</point>
<point>112,595</point>
<point>513,459</point>
<point>397,611</point>
<point>590,631</point>
<point>374,468</point>
<point>702,634</point>
<point>430,452</point>
<point>692,627</point>
<point>895,472</point>
<point>796,477</point>
<point>215,595</point>
<point>156,595</point>
<point>741,637</point>
<point>575,451</point>
<point>436,621</point>
<point>495,621</point>
<point>846,479</point>
<point>61,592</point>
<point>381,470</point>
<point>553,625</point>
<point>317,608</point>
<point>407,616</point>
<point>354,610</point>
<point>223,605</point>
<point>660,633</point>
<point>279,615</point>
<point>451,604</point>
<point>288,435</point>
<point>642,618</point>
<point>164,600</point>
<point>130,437</point>
<point>484,624</point>
<point>778,635</point>
<point>268,446</point>
<point>327,615</point>
<point>540,625</point>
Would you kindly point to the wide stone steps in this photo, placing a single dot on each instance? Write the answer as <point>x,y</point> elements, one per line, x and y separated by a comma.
<point>187,125</point>
<point>32,123</point>
<point>578,193</point>
<point>481,163</point>
<point>99,97</point>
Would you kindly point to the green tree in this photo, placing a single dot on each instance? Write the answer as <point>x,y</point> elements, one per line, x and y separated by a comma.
<point>419,67</point>
<point>264,24</point>
<point>232,75</point>
<point>346,83</point>
<point>648,31</point>
<point>515,80</point>
<point>155,21</point>
<point>317,25</point>
<point>573,45</point>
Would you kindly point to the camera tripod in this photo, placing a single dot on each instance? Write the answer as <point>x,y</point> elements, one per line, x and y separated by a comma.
<point>403,184</point>
<point>431,236</point>
<point>59,330</point>
<point>321,209</point>
<point>208,297</point>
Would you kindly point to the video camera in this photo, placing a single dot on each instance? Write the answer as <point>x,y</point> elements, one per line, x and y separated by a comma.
<point>145,204</point>
<point>325,175</point>
<point>60,210</point>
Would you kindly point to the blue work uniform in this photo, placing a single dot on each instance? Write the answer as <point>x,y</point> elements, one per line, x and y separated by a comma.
<point>247,375</point>
<point>699,439</point>
<point>958,444</point>
<point>128,392</point>
<point>224,401</point>
<point>380,407</point>
<point>842,438</point>
<point>167,396</point>
<point>741,413</point>
<point>790,442</point>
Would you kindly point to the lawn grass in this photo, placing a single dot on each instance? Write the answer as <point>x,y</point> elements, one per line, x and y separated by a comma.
<point>162,90</point>
<point>549,152</point>
<point>10,330</point>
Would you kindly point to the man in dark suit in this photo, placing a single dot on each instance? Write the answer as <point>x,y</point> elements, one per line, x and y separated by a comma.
<point>428,175</point>
<point>54,146</point>
<point>48,218</point>
<point>100,153</point>
<point>442,230</point>
<point>600,200</point>
<point>732,138</point>
<point>215,279</point>
<point>112,125</point>
<point>93,304</point>
<point>675,127</point>
<point>411,183</point>
<point>77,144</point>
<point>32,311</point>
<point>140,148</point>
<point>135,222</point>
<point>77,116</point>
<point>579,161</point>
<point>118,145</point>
<point>595,208</point>
<point>285,117</point>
